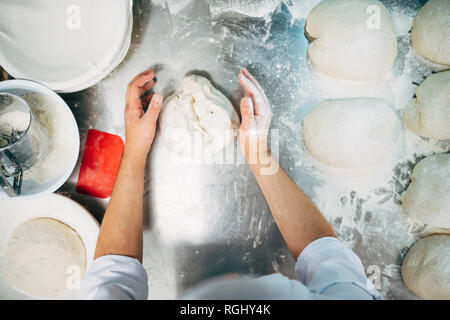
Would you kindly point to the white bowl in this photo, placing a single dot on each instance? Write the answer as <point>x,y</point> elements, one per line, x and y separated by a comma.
<point>29,187</point>
<point>14,212</point>
<point>48,48</point>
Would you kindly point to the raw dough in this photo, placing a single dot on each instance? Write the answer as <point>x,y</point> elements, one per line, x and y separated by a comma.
<point>351,133</point>
<point>426,267</point>
<point>430,33</point>
<point>427,197</point>
<point>197,120</point>
<point>344,46</point>
<point>428,115</point>
<point>39,253</point>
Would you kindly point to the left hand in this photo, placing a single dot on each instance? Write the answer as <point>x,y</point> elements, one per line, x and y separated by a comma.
<point>140,126</point>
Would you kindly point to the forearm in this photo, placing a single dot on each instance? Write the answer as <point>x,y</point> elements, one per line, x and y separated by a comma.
<point>121,230</point>
<point>298,219</point>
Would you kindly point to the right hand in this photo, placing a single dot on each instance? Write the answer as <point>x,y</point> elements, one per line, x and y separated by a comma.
<point>256,115</point>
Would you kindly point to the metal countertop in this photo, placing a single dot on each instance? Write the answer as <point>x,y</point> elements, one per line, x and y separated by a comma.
<point>202,221</point>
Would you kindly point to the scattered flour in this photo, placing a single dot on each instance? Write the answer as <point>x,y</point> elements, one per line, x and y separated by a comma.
<point>364,210</point>
<point>254,8</point>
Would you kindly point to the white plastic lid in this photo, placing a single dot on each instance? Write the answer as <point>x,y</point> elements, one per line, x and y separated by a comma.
<point>67,45</point>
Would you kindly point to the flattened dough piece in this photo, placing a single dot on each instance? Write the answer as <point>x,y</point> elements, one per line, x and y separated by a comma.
<point>427,197</point>
<point>428,115</point>
<point>39,253</point>
<point>349,42</point>
<point>430,33</point>
<point>426,267</point>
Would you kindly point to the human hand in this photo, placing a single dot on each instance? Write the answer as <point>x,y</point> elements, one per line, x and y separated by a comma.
<point>140,126</point>
<point>256,115</point>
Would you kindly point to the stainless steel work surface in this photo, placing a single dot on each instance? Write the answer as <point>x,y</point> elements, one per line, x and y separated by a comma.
<point>206,220</point>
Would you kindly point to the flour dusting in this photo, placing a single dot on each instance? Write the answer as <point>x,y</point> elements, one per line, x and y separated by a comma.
<point>52,116</point>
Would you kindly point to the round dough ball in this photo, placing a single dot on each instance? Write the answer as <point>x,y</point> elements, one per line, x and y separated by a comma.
<point>197,120</point>
<point>351,133</point>
<point>426,268</point>
<point>38,256</point>
<point>428,115</point>
<point>427,197</point>
<point>430,33</point>
<point>348,42</point>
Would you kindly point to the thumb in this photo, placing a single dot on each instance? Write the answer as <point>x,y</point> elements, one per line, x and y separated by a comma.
<point>154,107</point>
<point>247,113</point>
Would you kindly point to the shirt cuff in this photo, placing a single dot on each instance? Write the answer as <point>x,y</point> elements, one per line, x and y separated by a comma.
<point>115,277</point>
<point>326,265</point>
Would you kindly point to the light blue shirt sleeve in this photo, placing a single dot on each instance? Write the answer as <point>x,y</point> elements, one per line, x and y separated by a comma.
<point>115,277</point>
<point>330,269</point>
<point>326,269</point>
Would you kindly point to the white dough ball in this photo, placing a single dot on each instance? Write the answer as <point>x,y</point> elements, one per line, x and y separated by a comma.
<point>430,33</point>
<point>351,133</point>
<point>197,120</point>
<point>39,253</point>
<point>427,197</point>
<point>352,39</point>
<point>426,268</point>
<point>428,115</point>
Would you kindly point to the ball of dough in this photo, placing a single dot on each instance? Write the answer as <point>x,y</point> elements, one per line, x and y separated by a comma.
<point>428,115</point>
<point>38,256</point>
<point>351,133</point>
<point>352,39</point>
<point>197,120</point>
<point>426,267</point>
<point>427,197</point>
<point>430,33</point>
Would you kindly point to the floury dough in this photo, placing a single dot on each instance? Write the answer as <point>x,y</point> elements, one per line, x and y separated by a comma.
<point>427,197</point>
<point>349,41</point>
<point>197,120</point>
<point>430,33</point>
<point>428,114</point>
<point>42,253</point>
<point>356,133</point>
<point>426,267</point>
